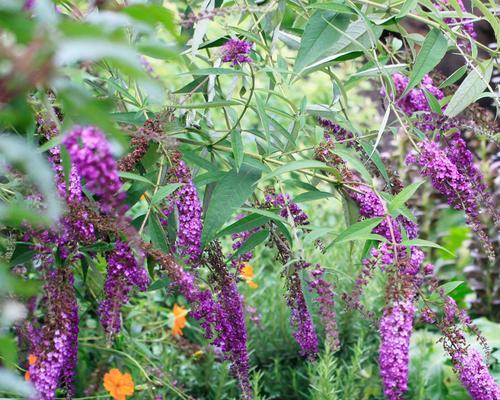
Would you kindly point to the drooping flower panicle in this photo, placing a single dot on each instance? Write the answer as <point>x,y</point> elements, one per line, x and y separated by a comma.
<point>91,155</point>
<point>188,205</point>
<point>396,327</point>
<point>54,345</point>
<point>123,275</point>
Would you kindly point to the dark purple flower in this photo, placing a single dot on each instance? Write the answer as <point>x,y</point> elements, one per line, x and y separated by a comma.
<point>287,207</point>
<point>236,52</point>
<point>396,327</point>
<point>123,274</point>
<point>300,318</point>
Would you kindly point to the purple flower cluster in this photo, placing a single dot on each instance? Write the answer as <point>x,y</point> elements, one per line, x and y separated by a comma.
<point>232,338</point>
<point>55,345</point>
<point>230,320</point>
<point>445,177</point>
<point>188,205</point>
<point>326,300</point>
<point>287,207</point>
<point>236,52</point>
<point>396,327</point>
<point>467,25</point>
<point>222,320</point>
<point>474,375</point>
<point>91,155</point>
<point>300,318</point>
<point>415,100</point>
<point>123,274</point>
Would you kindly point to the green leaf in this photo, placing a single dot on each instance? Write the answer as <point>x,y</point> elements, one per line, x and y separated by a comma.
<point>311,196</point>
<point>134,177</point>
<point>97,247</point>
<point>244,224</point>
<point>425,243</point>
<point>433,102</point>
<point>261,111</point>
<point>470,89</point>
<point>280,222</point>
<point>295,166</point>
<point>229,194</point>
<point>449,287</point>
<point>408,6</point>
<point>358,231</point>
<point>354,162</point>
<point>164,191</point>
<point>215,71</point>
<point>381,129</point>
<point>237,147</point>
<point>157,235</point>
<point>402,197</point>
<point>431,53</point>
<point>153,14</point>
<point>319,37</point>
<point>253,241</point>
<point>211,104</point>
<point>159,284</point>
<point>19,154</point>
<point>454,77</point>
<point>336,7</point>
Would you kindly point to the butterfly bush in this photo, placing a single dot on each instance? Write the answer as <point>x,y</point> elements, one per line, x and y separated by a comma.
<point>242,109</point>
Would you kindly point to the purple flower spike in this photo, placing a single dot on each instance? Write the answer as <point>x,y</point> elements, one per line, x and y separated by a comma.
<point>236,52</point>
<point>300,318</point>
<point>396,327</point>
<point>474,375</point>
<point>91,155</point>
<point>55,344</point>
<point>123,275</point>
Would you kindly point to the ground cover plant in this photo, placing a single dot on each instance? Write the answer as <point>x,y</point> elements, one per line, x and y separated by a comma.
<point>249,199</point>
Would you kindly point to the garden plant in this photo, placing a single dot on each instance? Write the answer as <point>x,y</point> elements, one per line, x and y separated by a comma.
<point>225,199</point>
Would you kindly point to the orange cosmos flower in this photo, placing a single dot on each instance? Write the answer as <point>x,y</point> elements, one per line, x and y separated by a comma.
<point>31,360</point>
<point>179,320</point>
<point>247,274</point>
<point>118,385</point>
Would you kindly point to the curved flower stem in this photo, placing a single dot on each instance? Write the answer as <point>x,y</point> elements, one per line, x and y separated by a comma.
<point>245,108</point>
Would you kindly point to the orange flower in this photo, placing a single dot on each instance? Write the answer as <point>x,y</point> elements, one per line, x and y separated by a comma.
<point>247,274</point>
<point>31,360</point>
<point>144,196</point>
<point>179,320</point>
<point>118,385</point>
